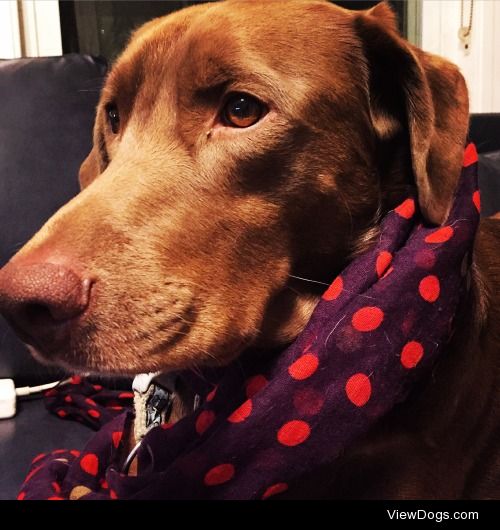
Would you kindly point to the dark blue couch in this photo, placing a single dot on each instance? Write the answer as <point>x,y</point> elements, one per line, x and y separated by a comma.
<point>47,109</point>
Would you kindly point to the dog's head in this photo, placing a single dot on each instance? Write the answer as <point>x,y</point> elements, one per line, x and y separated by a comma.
<point>237,145</point>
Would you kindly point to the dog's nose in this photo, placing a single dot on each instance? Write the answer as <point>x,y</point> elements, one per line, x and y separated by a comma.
<point>39,300</point>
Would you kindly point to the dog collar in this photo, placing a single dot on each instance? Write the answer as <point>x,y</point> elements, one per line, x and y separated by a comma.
<point>154,394</point>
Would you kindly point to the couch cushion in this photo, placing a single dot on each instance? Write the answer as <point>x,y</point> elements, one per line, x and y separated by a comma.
<point>489,183</point>
<point>484,131</point>
<point>47,108</point>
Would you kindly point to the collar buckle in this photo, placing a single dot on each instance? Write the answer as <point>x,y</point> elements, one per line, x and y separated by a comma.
<point>158,406</point>
<point>153,400</point>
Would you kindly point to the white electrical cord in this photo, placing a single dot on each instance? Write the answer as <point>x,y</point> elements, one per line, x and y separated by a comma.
<point>9,394</point>
<point>29,390</point>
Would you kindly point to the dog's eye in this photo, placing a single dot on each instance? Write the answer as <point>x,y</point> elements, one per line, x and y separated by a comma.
<point>242,110</point>
<point>113,117</point>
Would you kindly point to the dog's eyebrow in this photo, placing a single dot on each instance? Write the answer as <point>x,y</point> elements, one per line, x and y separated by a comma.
<point>211,91</point>
<point>262,84</point>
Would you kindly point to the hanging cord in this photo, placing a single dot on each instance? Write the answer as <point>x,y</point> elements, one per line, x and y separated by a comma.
<point>464,33</point>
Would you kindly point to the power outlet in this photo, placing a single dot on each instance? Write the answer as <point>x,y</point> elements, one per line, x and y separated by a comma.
<point>7,398</point>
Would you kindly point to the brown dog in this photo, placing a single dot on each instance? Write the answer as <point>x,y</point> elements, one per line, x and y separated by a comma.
<point>238,146</point>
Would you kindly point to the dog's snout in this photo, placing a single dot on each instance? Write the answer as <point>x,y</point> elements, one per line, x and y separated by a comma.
<point>41,299</point>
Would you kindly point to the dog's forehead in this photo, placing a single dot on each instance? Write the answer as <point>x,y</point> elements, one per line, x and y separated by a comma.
<point>208,43</point>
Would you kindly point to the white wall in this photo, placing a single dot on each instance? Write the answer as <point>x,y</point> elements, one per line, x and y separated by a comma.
<point>42,28</point>
<point>10,40</point>
<point>41,31</point>
<point>481,63</point>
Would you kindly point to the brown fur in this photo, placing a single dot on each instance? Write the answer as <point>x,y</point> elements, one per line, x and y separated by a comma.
<point>190,230</point>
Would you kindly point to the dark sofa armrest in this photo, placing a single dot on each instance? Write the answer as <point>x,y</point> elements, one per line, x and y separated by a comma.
<point>47,108</point>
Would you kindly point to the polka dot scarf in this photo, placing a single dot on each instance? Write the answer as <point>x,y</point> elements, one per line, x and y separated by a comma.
<point>263,422</point>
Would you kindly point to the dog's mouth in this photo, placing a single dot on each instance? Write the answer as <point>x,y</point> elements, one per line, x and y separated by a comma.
<point>125,345</point>
<point>85,347</point>
<point>119,327</point>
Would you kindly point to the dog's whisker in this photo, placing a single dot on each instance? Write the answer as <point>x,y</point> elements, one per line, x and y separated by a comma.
<point>292,289</point>
<point>348,209</point>
<point>327,285</point>
<point>196,370</point>
<point>307,280</point>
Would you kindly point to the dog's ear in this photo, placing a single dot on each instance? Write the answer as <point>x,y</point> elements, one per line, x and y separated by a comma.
<point>385,15</point>
<point>420,98</point>
<point>89,169</point>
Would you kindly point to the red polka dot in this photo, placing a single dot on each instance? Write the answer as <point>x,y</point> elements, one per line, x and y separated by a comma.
<point>90,464</point>
<point>219,475</point>
<point>304,366</point>
<point>62,413</point>
<point>38,457</point>
<point>383,261</point>
<point>441,235</point>
<point>204,421</point>
<point>50,393</point>
<point>242,412</point>
<point>425,259</point>
<point>280,487</point>
<point>406,209</point>
<point>470,155</point>
<point>411,354</point>
<point>76,380</point>
<point>429,288</point>
<point>56,487</point>
<point>126,395</point>
<point>21,496</point>
<point>308,401</point>
<point>113,495</point>
<point>104,484</point>
<point>59,451</point>
<point>254,385</point>
<point>32,473</point>
<point>358,389</point>
<point>68,399</point>
<point>94,413</point>
<point>333,292</point>
<point>367,318</point>
<point>55,498</point>
<point>91,402</point>
<point>476,199</point>
<point>75,453</point>
<point>116,436</point>
<point>97,388</point>
<point>115,407</point>
<point>211,394</point>
<point>294,433</point>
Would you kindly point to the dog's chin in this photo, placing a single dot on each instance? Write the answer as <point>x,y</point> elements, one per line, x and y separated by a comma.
<point>53,361</point>
<point>132,359</point>
<point>37,355</point>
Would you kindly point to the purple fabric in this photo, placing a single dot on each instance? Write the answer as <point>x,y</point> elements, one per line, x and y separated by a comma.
<point>267,420</point>
<point>87,402</point>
